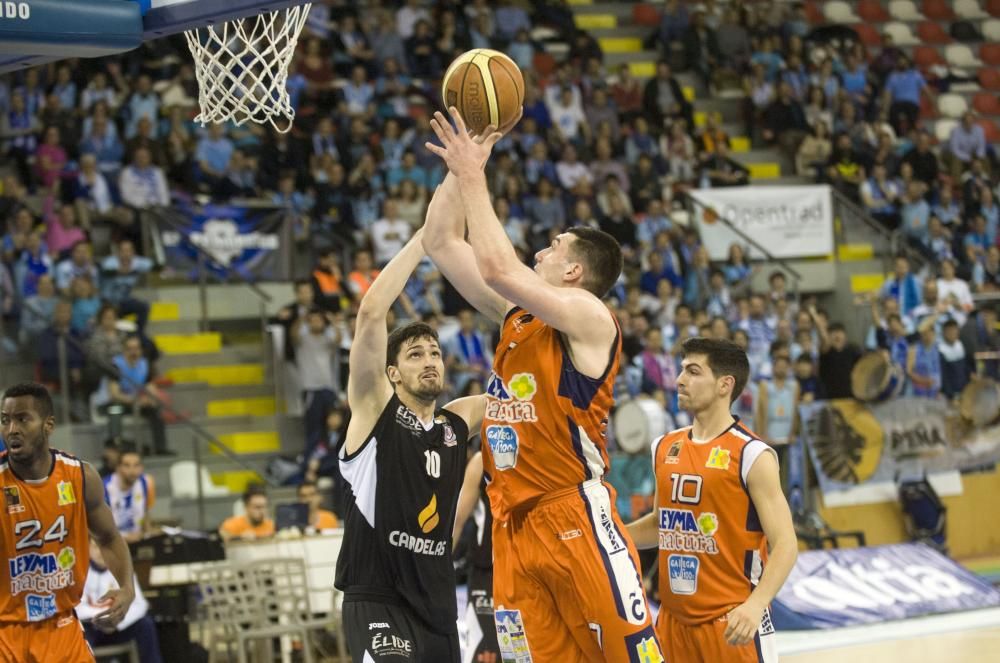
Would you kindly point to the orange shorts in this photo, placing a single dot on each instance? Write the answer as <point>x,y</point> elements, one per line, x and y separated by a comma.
<point>58,639</point>
<point>706,643</point>
<point>567,584</point>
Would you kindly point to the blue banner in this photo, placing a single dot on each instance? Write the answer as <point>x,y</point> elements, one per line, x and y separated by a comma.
<point>244,240</point>
<point>851,586</point>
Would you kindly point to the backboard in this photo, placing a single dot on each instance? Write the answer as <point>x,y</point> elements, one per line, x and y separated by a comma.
<point>34,32</point>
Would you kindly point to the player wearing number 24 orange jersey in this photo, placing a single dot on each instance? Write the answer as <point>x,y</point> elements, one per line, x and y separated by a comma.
<point>723,528</point>
<point>566,582</point>
<point>52,505</point>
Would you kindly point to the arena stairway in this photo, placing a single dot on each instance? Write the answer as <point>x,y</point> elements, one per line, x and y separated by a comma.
<point>627,35</point>
<point>220,380</point>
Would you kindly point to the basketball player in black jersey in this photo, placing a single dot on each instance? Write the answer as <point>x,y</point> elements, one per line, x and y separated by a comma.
<point>403,461</point>
<point>482,646</point>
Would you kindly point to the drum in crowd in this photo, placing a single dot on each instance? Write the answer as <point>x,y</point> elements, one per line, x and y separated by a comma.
<point>876,379</point>
<point>638,422</point>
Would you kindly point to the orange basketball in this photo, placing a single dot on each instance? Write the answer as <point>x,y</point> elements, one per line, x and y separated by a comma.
<point>486,87</point>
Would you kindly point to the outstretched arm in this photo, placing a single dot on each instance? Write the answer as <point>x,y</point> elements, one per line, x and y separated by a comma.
<point>468,496</point>
<point>368,388</point>
<point>572,311</point>
<point>444,241</point>
<point>114,549</point>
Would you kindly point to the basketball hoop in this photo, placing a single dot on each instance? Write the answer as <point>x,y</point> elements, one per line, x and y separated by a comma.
<point>242,68</point>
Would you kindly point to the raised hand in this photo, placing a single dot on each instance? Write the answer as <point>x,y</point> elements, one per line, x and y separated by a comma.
<point>464,154</point>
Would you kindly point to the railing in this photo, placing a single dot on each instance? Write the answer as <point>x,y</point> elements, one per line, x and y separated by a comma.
<point>844,208</point>
<point>794,273</point>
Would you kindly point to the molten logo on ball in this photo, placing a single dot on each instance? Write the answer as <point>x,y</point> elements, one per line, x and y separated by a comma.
<point>474,105</point>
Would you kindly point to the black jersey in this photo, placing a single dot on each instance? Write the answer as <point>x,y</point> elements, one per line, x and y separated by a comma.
<point>481,555</point>
<point>400,513</point>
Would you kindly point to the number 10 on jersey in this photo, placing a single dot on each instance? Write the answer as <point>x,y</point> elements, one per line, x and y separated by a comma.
<point>433,459</point>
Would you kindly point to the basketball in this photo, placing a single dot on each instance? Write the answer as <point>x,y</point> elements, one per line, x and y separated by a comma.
<point>486,87</point>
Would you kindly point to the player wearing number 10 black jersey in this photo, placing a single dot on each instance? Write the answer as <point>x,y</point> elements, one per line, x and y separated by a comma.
<point>404,461</point>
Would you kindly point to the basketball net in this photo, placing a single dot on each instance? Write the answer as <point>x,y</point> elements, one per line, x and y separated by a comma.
<point>242,68</point>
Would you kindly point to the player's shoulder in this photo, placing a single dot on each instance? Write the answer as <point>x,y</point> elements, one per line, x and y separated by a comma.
<point>740,435</point>
<point>667,439</point>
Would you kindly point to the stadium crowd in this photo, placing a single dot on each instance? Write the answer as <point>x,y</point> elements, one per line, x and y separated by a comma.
<point>92,143</point>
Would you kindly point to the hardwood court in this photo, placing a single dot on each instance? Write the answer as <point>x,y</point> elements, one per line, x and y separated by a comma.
<point>972,637</point>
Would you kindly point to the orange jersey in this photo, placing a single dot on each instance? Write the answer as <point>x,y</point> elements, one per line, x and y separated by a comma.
<point>45,541</point>
<point>712,546</point>
<point>544,427</point>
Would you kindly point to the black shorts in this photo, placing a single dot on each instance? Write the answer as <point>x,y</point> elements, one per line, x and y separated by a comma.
<point>479,617</point>
<point>386,632</point>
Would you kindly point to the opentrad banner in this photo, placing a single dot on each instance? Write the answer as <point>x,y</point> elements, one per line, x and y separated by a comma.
<point>789,221</point>
<point>851,586</point>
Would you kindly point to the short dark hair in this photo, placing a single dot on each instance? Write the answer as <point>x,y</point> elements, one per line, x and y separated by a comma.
<point>804,358</point>
<point>401,335</point>
<point>776,274</point>
<point>836,326</point>
<point>602,256</point>
<point>252,491</point>
<point>38,392</point>
<point>301,282</point>
<point>305,484</point>
<point>724,358</point>
<point>950,322</point>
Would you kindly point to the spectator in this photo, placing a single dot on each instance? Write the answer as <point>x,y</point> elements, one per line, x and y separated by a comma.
<point>133,389</point>
<point>923,363</point>
<point>79,263</point>
<point>119,275</point>
<point>568,117</point>
<point>722,171</point>
<point>143,184</point>
<point>93,200</point>
<point>817,110</point>
<point>949,285</point>
<point>923,160</point>
<point>137,625</point>
<point>50,159</point>
<point>47,349</point>
<point>701,48</point>
<point>675,21</point>
<point>785,122</point>
<point>814,151</point>
<point>986,274</point>
<point>947,209</point>
<point>777,401</point>
<point>903,286</point>
<point>39,310</point>
<point>353,46</point>
<point>571,172</point>
<point>363,274</point>
<point>664,99</point>
<point>241,177</point>
<point>408,16</point>
<point>977,240</point>
<point>640,142</point>
<point>33,262</point>
<point>19,130</point>
<point>130,493</point>
<point>86,304</point>
<point>103,142</point>
<point>98,90</point>
<point>733,41</point>
<point>846,168</point>
<point>144,103</point>
<point>63,230</point>
<point>510,19</point>
<point>254,524</point>
<point>315,341</point>
<point>720,301</point>
<point>65,87</point>
<point>805,378</point>
<point>679,150</point>
<point>468,353</point>
<point>423,56</point>
<point>966,142</point>
<point>903,89</point>
<point>659,368</point>
<point>319,519</point>
<point>837,358</point>
<point>105,343</point>
<point>956,372</point>
<point>145,137</point>
<point>881,196</point>
<point>386,42</point>
<point>627,94</point>
<point>389,234</point>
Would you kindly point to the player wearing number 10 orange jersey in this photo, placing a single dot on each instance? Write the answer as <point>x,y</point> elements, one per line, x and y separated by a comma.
<point>566,583</point>
<point>719,507</point>
<point>52,503</point>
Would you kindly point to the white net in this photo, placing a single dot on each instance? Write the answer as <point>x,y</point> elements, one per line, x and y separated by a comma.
<point>242,68</point>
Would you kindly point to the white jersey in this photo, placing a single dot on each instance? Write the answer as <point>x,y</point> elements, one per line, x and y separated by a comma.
<point>129,506</point>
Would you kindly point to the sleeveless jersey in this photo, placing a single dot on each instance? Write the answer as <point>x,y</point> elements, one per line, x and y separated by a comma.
<point>128,506</point>
<point>712,548</point>
<point>45,541</point>
<point>780,411</point>
<point>400,512</point>
<point>545,423</point>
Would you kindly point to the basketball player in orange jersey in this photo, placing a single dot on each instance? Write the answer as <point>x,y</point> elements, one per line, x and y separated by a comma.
<point>719,508</point>
<point>566,576</point>
<point>52,505</point>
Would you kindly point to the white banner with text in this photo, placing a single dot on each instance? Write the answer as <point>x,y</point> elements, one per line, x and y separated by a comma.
<point>788,221</point>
